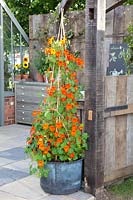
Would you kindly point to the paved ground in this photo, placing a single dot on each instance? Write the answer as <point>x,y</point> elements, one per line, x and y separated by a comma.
<point>15,181</point>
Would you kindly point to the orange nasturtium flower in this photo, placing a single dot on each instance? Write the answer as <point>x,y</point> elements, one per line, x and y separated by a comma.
<point>40,163</point>
<point>45,126</point>
<point>46,149</point>
<point>73,133</point>
<point>41,147</point>
<point>52,128</point>
<point>79,61</point>
<point>56,134</point>
<point>74,128</point>
<point>67,86</point>
<point>70,95</point>
<point>32,130</point>
<point>66,148</point>
<point>58,54</point>
<point>69,106</point>
<point>66,52</point>
<point>59,140</point>
<point>35,113</point>
<point>59,125</point>
<point>74,120</point>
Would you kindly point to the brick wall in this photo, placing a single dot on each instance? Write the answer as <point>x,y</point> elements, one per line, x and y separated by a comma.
<point>9,110</point>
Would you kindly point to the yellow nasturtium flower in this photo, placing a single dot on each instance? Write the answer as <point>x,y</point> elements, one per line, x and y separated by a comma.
<point>50,40</point>
<point>63,41</point>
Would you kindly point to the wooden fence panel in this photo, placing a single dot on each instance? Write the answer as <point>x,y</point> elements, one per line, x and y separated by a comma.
<point>118,127</point>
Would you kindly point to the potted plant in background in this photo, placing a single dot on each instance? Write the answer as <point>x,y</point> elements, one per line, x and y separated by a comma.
<point>25,69</point>
<point>57,142</point>
<point>42,66</point>
<point>17,72</point>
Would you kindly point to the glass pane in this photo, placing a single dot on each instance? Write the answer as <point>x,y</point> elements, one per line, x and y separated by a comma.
<point>16,50</point>
<point>8,81</point>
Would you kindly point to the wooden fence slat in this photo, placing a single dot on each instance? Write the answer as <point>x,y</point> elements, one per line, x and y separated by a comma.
<point>129,140</point>
<point>110,91</point>
<point>120,141</point>
<point>121,88</point>
<point>109,145</point>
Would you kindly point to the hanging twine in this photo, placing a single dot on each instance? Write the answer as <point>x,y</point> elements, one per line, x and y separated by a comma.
<point>61,32</point>
<point>61,35</point>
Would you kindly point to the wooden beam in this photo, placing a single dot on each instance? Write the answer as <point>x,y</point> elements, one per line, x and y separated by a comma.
<point>94,95</point>
<point>65,4</point>
<point>119,3</point>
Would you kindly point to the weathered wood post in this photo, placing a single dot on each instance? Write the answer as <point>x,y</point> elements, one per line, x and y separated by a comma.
<point>94,96</point>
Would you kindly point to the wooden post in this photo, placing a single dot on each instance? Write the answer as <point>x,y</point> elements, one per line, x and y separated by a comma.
<point>94,97</point>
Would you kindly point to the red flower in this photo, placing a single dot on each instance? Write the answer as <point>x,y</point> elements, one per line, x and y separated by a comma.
<point>58,54</point>
<point>67,86</point>
<point>79,61</point>
<point>71,155</point>
<point>52,128</point>
<point>74,120</point>
<point>56,134</point>
<point>69,106</point>
<point>59,125</point>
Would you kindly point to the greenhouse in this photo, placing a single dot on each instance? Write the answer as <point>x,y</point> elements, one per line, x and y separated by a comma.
<point>13,47</point>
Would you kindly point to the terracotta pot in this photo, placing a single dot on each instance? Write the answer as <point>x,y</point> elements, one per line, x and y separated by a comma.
<point>25,76</point>
<point>44,78</point>
<point>17,77</point>
<point>39,77</point>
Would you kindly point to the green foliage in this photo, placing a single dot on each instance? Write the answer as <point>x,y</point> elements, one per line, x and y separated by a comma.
<point>124,189</point>
<point>128,56</point>
<point>41,63</point>
<point>129,2</point>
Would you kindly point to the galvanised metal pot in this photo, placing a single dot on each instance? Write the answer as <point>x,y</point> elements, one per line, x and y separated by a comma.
<point>63,178</point>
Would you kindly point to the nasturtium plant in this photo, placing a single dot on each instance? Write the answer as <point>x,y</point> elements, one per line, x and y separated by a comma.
<point>56,133</point>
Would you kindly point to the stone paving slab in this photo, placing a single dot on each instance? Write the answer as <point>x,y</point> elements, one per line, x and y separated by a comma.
<point>7,196</point>
<point>4,161</point>
<point>22,165</point>
<point>10,175</point>
<point>14,153</point>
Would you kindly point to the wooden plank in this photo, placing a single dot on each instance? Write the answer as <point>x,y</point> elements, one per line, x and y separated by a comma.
<point>120,141</point>
<point>121,90</point>
<point>109,146</point>
<point>130,89</point>
<point>117,174</point>
<point>110,91</point>
<point>129,149</point>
